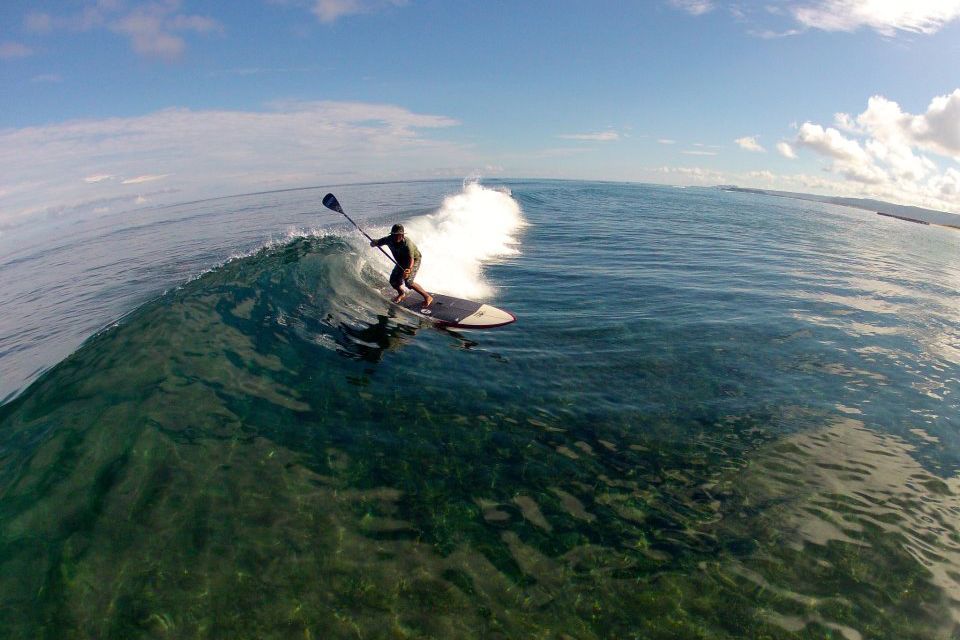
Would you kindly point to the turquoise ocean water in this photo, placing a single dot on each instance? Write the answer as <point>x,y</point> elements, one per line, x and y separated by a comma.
<point>718,415</point>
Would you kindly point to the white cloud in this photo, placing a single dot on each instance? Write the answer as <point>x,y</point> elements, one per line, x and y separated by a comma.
<point>939,127</point>
<point>793,17</point>
<point>900,159</point>
<point>153,28</point>
<point>666,141</point>
<point>786,150</point>
<point>695,175</point>
<point>830,142</point>
<point>602,136</point>
<point>849,158</point>
<point>884,16</point>
<point>884,150</point>
<point>694,7</point>
<point>98,178</point>
<point>749,143</point>
<point>699,152</point>
<point>948,184</point>
<point>148,37</point>
<point>142,179</point>
<point>937,130</point>
<point>95,163</point>
<point>767,179</point>
<point>12,50</point>
<point>845,123</point>
<point>328,11</point>
<point>770,34</point>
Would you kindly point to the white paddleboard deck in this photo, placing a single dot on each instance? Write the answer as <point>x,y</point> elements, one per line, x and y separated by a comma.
<point>449,311</point>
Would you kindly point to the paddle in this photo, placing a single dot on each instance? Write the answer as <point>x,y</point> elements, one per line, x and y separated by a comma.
<point>330,202</point>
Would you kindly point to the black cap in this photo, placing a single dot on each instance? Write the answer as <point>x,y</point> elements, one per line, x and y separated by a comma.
<point>397,228</point>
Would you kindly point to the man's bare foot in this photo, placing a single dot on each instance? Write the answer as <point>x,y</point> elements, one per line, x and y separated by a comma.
<point>399,297</point>
<point>428,300</point>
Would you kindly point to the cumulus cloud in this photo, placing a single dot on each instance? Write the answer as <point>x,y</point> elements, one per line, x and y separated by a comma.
<point>784,149</point>
<point>601,136</point>
<point>749,143</point>
<point>940,126</point>
<point>893,134</point>
<point>937,130</point>
<point>886,149</point>
<point>831,142</point>
<point>154,29</point>
<point>947,185</point>
<point>849,158</point>
<point>189,154</point>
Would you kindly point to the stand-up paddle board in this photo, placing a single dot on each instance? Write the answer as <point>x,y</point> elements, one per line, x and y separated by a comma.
<point>448,311</point>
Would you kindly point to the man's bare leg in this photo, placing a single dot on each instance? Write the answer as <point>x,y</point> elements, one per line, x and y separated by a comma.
<point>427,298</point>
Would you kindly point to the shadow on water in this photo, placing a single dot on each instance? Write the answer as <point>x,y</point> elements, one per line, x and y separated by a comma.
<point>269,452</point>
<point>371,342</point>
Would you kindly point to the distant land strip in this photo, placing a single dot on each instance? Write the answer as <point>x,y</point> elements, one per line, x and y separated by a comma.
<point>893,215</point>
<point>887,209</point>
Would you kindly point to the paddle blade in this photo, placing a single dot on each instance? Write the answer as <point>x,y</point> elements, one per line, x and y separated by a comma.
<point>330,202</point>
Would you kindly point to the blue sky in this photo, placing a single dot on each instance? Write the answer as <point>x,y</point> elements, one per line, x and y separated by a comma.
<point>115,103</point>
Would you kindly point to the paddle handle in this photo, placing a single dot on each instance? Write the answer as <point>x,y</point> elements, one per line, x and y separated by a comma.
<point>330,202</point>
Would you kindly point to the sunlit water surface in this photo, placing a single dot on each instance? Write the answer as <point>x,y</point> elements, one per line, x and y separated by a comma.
<point>718,416</point>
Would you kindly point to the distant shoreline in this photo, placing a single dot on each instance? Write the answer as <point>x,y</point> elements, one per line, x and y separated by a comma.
<point>893,215</point>
<point>916,215</point>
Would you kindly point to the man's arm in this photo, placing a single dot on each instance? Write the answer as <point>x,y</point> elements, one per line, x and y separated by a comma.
<point>411,251</point>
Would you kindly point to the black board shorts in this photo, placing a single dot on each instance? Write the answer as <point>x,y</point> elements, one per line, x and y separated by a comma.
<point>396,276</point>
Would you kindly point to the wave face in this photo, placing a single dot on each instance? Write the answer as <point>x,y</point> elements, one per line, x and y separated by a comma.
<point>713,418</point>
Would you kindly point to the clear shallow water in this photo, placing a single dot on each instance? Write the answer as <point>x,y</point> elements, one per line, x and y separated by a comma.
<point>719,415</point>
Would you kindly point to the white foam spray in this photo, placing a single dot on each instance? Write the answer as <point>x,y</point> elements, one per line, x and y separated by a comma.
<point>469,231</point>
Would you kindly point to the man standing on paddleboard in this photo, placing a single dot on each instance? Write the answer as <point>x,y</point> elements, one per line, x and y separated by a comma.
<point>407,257</point>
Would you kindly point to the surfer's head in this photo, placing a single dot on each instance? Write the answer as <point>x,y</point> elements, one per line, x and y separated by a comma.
<point>397,231</point>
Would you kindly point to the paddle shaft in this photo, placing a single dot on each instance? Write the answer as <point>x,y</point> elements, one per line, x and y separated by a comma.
<point>330,202</point>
